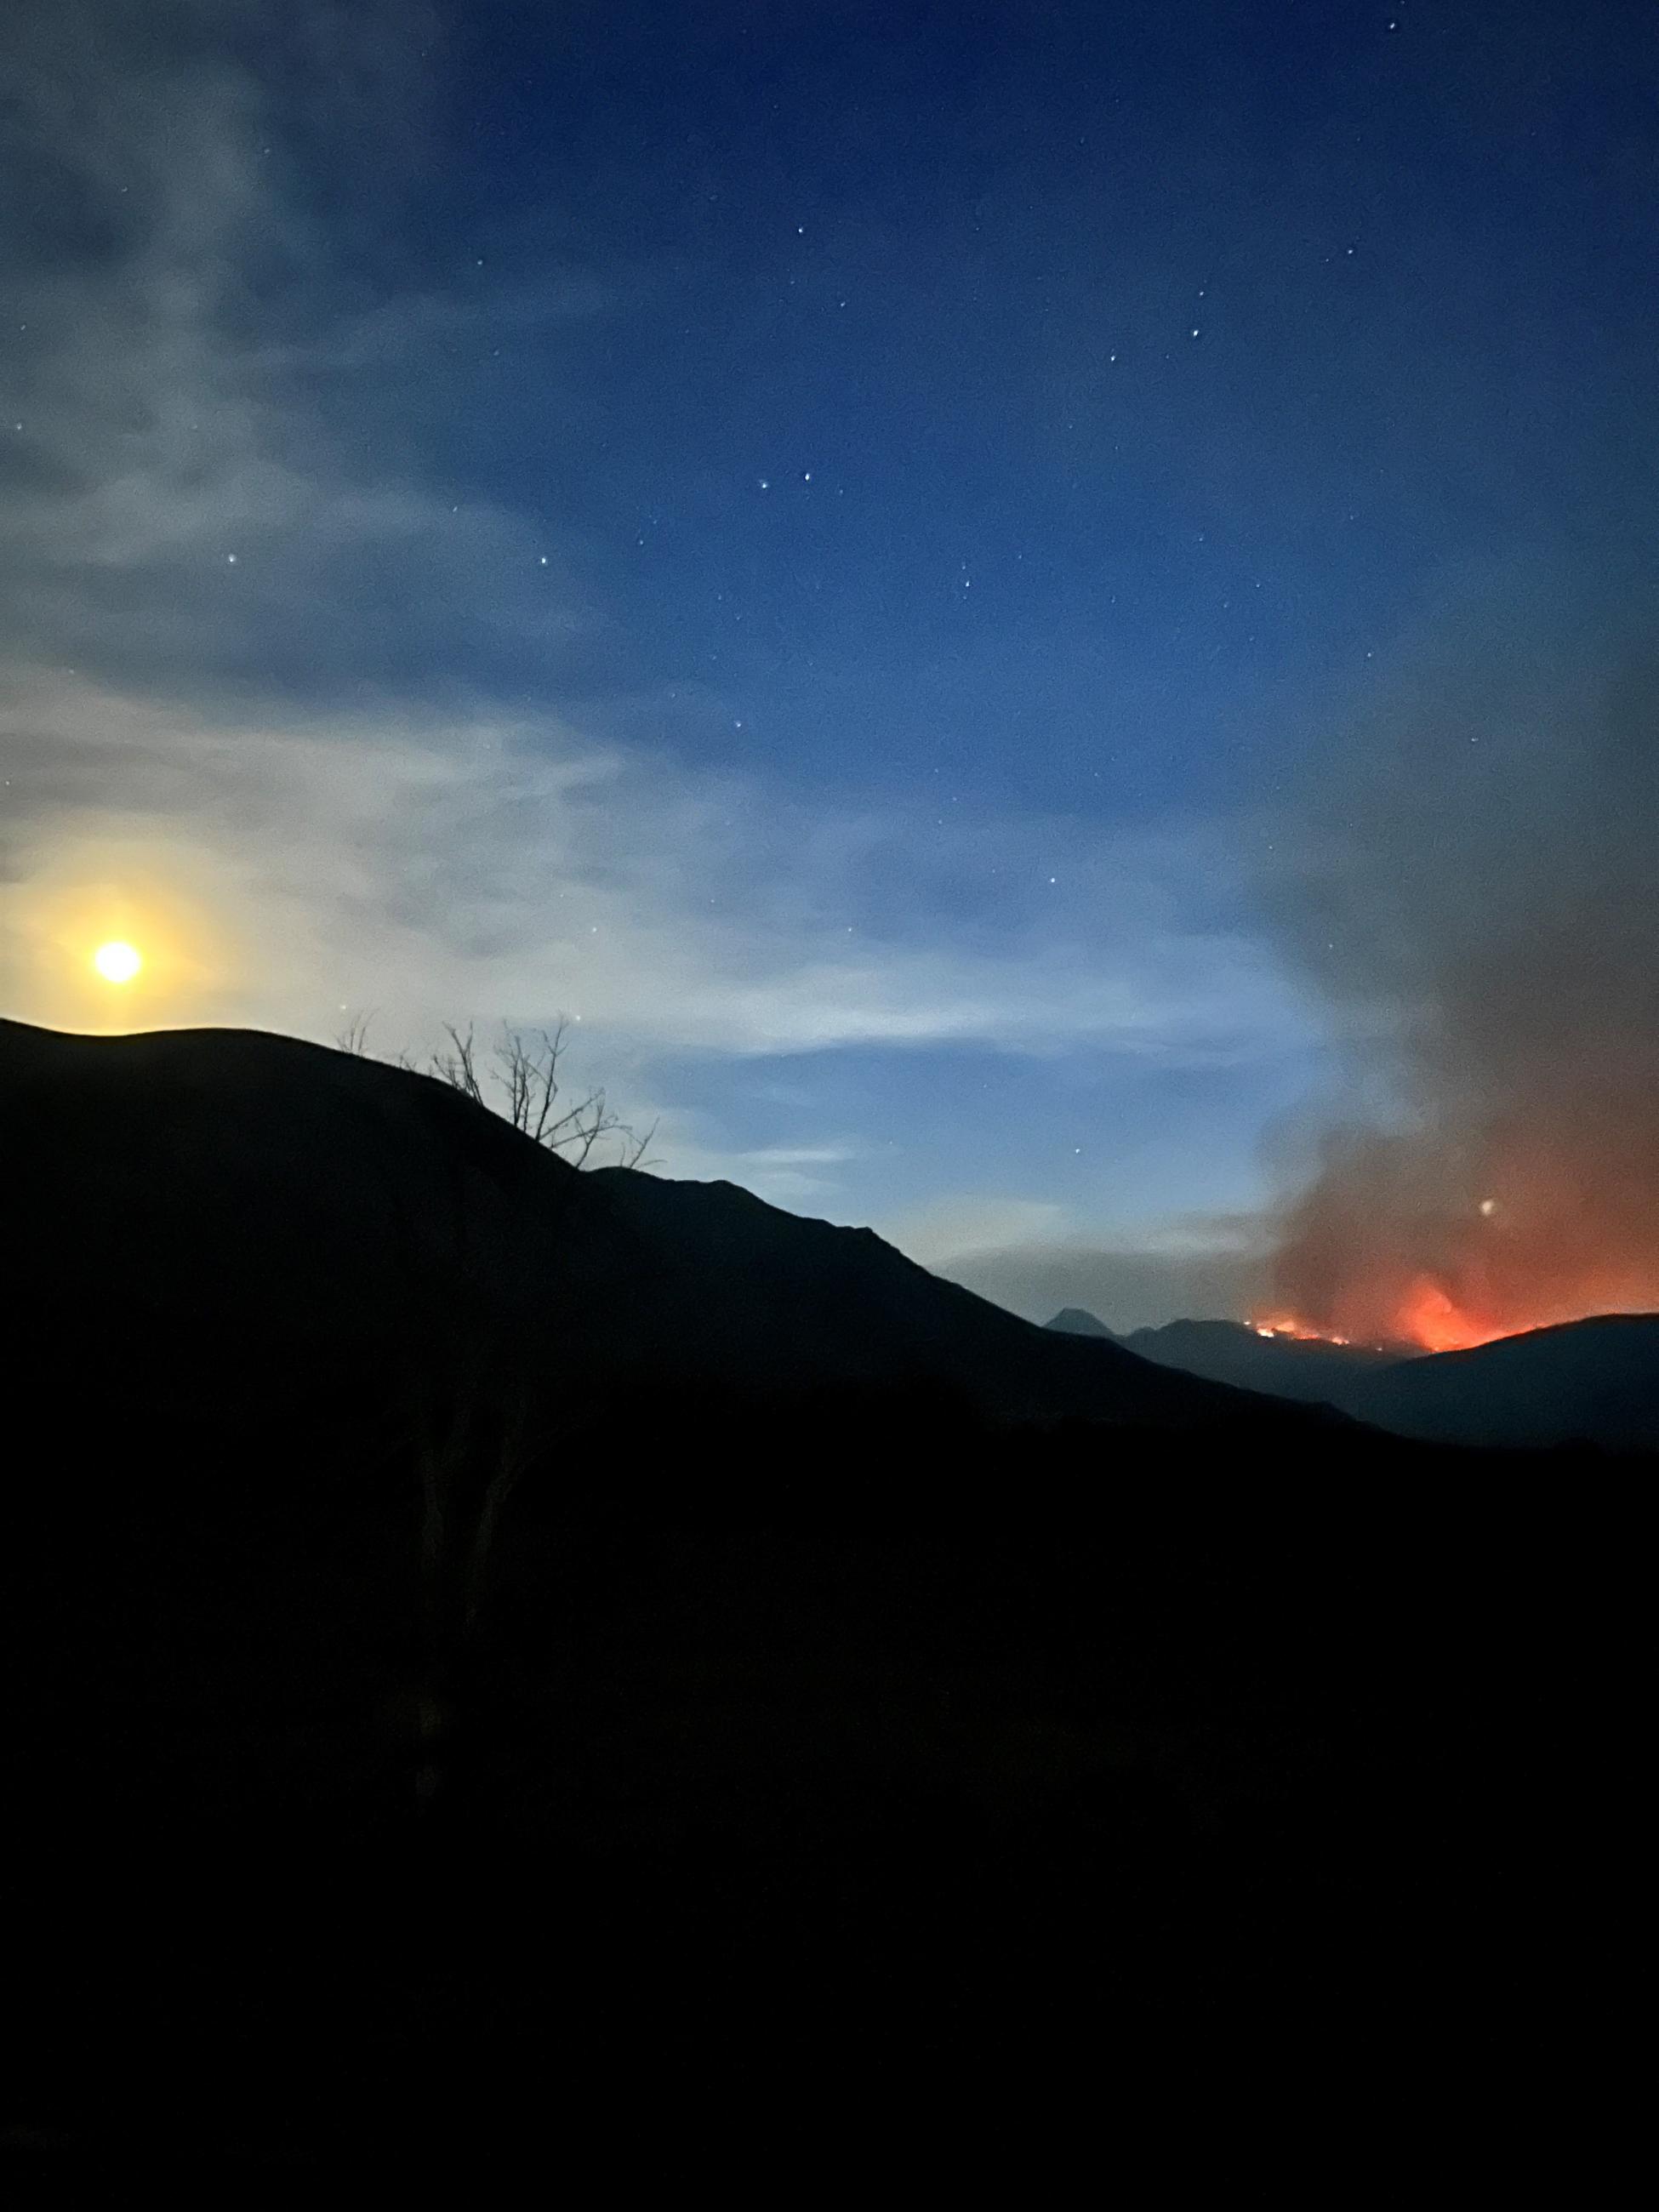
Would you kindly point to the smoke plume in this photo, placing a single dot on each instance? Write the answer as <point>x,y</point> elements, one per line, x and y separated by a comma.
<point>1474,889</point>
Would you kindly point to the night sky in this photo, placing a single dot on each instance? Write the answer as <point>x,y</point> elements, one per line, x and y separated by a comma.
<point>827,543</point>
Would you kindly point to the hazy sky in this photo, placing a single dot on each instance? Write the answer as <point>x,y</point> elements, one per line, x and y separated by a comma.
<point>822,542</point>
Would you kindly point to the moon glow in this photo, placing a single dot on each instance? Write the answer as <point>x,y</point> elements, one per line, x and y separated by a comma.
<point>118,962</point>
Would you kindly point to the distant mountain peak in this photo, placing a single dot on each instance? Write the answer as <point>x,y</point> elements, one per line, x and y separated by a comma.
<point>1077,1321</point>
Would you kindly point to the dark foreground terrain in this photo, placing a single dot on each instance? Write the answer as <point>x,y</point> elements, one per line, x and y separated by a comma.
<point>438,1740</point>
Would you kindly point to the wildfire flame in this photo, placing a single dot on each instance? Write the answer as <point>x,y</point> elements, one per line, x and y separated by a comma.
<point>1429,1317</point>
<point>1426,1317</point>
<point>1291,1325</point>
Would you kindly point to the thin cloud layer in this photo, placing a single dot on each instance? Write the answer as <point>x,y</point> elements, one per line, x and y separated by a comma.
<point>428,868</point>
<point>210,449</point>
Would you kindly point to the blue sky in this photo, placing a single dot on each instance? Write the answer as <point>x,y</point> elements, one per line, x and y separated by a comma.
<point>826,543</point>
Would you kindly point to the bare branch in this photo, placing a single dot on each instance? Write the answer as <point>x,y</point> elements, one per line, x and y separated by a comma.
<point>458,1066</point>
<point>634,1151</point>
<point>529,1071</point>
<point>524,1089</point>
<point>354,1037</point>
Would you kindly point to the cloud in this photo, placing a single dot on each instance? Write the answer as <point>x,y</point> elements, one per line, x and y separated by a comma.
<point>1029,1256</point>
<point>949,1230</point>
<point>434,865</point>
<point>210,454</point>
<point>794,1176</point>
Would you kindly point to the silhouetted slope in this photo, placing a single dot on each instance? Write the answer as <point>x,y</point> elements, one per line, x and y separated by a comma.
<point>737,1289</point>
<point>1594,1382</point>
<point>196,1210</point>
<point>214,1199</point>
<point>1303,1369</point>
<point>1589,1381</point>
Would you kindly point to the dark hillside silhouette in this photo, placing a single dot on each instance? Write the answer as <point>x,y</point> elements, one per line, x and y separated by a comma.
<point>285,1195</point>
<point>1305,1370</point>
<point>1595,1380</point>
<point>507,1656</point>
<point>1589,1382</point>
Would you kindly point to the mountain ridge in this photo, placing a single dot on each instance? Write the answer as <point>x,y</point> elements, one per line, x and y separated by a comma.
<point>1594,1381</point>
<point>299,1203</point>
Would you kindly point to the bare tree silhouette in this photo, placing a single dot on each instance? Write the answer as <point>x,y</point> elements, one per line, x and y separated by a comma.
<point>521,1082</point>
<point>354,1037</point>
<point>520,1079</point>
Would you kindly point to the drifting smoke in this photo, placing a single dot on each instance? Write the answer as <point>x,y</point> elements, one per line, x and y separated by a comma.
<point>1476,892</point>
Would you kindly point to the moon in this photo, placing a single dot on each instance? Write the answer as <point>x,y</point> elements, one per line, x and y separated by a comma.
<point>118,962</point>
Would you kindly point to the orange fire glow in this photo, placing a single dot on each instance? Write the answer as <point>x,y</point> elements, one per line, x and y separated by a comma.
<point>1426,1317</point>
<point>1290,1324</point>
<point>1442,1241</point>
